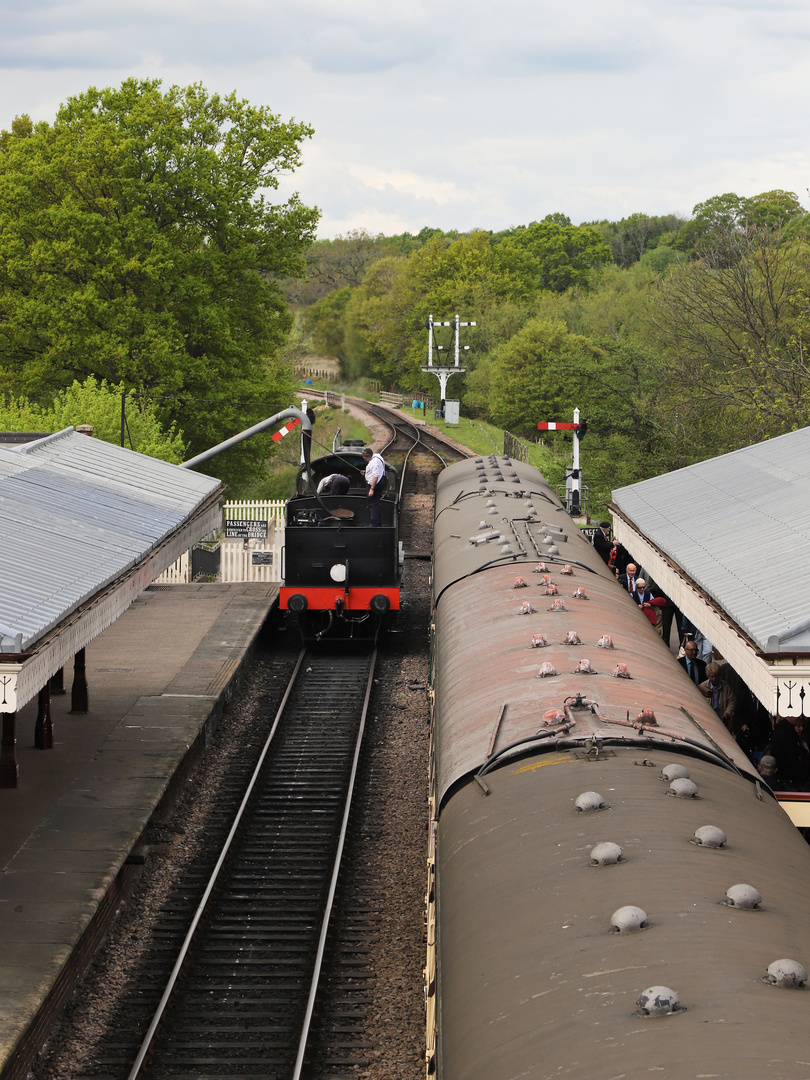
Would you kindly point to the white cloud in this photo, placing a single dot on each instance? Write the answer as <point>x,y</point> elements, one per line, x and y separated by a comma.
<point>464,114</point>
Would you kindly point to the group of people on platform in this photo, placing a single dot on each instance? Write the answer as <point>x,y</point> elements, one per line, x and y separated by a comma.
<point>781,751</point>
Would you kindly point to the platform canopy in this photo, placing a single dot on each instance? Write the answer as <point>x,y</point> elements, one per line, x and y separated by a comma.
<point>85,527</point>
<point>728,540</point>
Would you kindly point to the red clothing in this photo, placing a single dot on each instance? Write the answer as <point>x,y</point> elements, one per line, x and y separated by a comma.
<point>648,598</point>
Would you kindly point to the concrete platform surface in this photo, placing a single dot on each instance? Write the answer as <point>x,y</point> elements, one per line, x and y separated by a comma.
<point>156,677</point>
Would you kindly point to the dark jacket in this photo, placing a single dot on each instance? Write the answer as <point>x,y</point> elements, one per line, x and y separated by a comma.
<point>603,544</point>
<point>790,754</point>
<point>624,581</point>
<point>696,663</point>
<point>726,701</point>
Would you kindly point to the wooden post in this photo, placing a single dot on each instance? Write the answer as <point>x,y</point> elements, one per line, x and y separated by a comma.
<point>43,729</point>
<point>9,769</point>
<point>79,701</point>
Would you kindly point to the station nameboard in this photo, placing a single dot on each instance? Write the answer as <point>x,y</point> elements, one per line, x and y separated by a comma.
<point>245,529</point>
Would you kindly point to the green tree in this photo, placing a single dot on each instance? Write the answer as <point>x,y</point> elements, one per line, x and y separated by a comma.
<point>559,256</point>
<point>738,323</point>
<point>98,404</point>
<point>137,244</point>
<point>539,375</point>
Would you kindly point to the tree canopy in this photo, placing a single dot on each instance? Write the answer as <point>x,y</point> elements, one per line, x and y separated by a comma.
<point>138,244</point>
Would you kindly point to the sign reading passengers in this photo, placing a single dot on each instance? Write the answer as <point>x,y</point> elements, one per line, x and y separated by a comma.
<point>245,529</point>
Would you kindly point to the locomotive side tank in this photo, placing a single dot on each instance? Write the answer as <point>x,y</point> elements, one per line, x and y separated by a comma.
<point>335,563</point>
<point>613,892</point>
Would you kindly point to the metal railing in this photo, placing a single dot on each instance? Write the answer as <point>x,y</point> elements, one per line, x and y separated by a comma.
<point>514,448</point>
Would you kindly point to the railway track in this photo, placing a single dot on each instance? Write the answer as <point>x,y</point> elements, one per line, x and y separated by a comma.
<point>370,1006</point>
<point>241,998</point>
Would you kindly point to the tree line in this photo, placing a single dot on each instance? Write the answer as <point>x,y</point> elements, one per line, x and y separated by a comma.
<point>677,338</point>
<point>143,255</point>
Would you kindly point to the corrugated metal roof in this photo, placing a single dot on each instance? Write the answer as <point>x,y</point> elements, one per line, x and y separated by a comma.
<point>739,526</point>
<point>76,513</point>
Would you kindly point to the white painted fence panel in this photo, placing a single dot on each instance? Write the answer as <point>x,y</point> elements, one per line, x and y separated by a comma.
<point>236,555</point>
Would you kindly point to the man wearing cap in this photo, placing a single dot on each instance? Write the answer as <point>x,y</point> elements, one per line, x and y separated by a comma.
<point>374,473</point>
<point>602,541</point>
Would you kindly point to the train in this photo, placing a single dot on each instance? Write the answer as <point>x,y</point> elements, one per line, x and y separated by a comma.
<point>340,576</point>
<point>613,891</point>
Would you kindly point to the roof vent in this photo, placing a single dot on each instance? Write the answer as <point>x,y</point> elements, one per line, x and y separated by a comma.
<point>546,670</point>
<point>553,550</point>
<point>683,789</point>
<point>605,854</point>
<point>520,583</point>
<point>659,1001</point>
<point>557,605</point>
<point>709,836</point>
<point>584,668</point>
<point>590,800</point>
<point>674,772</point>
<point>572,638</point>
<point>554,716</point>
<point>579,594</point>
<point>628,919</point>
<point>526,609</point>
<point>550,589</point>
<point>541,568</point>
<point>605,642</point>
<point>506,549</point>
<point>787,973</point>
<point>568,569</point>
<point>743,896</point>
<point>621,671</point>
<point>538,641</point>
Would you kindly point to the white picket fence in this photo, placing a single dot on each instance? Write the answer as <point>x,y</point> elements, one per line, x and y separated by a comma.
<point>236,556</point>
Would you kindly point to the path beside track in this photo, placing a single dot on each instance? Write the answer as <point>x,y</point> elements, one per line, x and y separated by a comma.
<point>158,681</point>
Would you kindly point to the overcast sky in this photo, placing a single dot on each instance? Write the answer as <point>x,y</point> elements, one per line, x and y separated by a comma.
<point>464,114</point>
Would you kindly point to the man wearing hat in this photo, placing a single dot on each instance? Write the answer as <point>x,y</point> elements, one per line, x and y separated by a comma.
<point>602,541</point>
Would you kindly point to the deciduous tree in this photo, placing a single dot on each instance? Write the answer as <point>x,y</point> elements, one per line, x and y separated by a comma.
<point>138,244</point>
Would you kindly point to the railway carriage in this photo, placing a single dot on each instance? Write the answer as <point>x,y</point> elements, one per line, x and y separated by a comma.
<point>613,892</point>
<point>340,574</point>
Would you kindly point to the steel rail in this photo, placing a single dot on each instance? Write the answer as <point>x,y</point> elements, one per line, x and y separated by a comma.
<point>147,1042</point>
<point>313,991</point>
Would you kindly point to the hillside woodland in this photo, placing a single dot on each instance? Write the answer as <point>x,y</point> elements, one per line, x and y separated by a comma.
<point>677,339</point>
<point>144,263</point>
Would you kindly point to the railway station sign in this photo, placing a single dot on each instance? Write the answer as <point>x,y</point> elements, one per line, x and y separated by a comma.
<point>245,529</point>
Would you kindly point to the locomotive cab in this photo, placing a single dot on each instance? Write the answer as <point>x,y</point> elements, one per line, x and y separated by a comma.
<point>337,569</point>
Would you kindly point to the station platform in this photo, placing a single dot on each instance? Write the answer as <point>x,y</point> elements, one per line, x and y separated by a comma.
<point>158,679</point>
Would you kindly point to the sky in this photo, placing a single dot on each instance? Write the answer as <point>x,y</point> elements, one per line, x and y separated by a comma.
<point>469,114</point>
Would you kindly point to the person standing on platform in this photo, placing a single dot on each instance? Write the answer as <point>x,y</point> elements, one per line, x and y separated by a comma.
<point>602,541</point>
<point>374,473</point>
<point>692,664</point>
<point>647,601</point>
<point>627,580</point>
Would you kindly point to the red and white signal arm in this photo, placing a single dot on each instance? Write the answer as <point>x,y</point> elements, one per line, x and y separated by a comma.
<point>553,425</point>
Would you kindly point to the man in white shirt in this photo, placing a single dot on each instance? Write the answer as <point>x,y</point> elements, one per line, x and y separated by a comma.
<point>374,473</point>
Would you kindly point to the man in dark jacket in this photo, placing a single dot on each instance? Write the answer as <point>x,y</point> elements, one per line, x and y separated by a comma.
<point>694,667</point>
<point>602,541</point>
<point>790,754</point>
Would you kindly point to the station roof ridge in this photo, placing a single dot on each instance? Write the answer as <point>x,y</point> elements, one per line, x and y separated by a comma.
<point>76,514</point>
<point>738,525</point>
